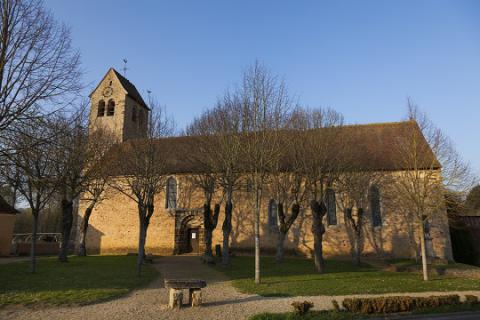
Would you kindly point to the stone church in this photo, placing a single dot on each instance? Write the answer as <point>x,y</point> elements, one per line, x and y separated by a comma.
<point>177,226</point>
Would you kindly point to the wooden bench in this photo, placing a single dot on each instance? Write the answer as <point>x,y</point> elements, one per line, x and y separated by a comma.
<point>176,287</point>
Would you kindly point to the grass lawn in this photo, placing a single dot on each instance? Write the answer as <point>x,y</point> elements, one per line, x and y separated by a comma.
<point>296,277</point>
<point>332,315</point>
<point>82,280</point>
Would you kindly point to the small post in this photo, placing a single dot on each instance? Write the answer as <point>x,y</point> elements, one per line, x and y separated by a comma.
<point>196,298</point>
<point>176,299</point>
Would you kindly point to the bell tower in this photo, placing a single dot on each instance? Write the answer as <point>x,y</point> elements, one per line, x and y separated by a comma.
<point>117,106</point>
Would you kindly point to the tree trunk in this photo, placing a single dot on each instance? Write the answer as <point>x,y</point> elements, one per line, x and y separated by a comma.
<point>358,237</point>
<point>33,249</point>
<point>318,211</point>
<point>424,251</point>
<point>142,234</point>
<point>207,224</point>
<point>227,229</point>
<point>280,245</point>
<point>257,235</point>
<point>67,216</point>
<point>356,251</point>
<point>82,248</point>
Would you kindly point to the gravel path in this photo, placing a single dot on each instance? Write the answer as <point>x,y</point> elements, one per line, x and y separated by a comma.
<point>221,300</point>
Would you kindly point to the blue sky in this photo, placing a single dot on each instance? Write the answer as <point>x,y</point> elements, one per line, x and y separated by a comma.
<point>362,58</point>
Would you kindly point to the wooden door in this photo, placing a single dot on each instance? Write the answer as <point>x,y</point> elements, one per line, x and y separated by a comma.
<point>193,239</point>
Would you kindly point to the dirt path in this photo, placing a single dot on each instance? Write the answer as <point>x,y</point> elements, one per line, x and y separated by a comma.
<point>221,300</point>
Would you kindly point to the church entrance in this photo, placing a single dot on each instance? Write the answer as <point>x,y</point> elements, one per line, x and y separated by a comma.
<point>193,240</point>
<point>188,232</point>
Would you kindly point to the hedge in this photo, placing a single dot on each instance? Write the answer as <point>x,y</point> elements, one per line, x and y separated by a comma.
<point>397,303</point>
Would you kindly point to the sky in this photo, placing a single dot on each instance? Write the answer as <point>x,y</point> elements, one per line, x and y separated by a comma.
<point>361,58</point>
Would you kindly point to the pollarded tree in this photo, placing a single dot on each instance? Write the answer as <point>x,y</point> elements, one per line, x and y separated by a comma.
<point>72,160</point>
<point>140,167</point>
<point>203,158</point>
<point>357,188</point>
<point>100,142</point>
<point>221,149</point>
<point>320,150</point>
<point>206,182</point>
<point>288,184</point>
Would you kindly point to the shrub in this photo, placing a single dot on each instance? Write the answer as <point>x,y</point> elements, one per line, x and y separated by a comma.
<point>397,303</point>
<point>336,307</point>
<point>301,308</point>
<point>469,299</point>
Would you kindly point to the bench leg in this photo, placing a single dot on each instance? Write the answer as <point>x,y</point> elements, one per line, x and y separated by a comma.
<point>175,299</point>
<point>196,298</point>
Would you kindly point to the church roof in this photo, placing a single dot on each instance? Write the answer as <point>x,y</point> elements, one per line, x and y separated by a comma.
<point>372,146</point>
<point>131,89</point>
<point>5,208</point>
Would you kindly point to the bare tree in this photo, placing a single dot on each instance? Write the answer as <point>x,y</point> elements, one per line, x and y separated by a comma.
<point>288,184</point>
<point>37,63</point>
<point>221,149</point>
<point>100,142</point>
<point>431,166</point>
<point>72,159</point>
<point>229,160</point>
<point>203,158</point>
<point>265,103</point>
<point>320,150</point>
<point>206,182</point>
<point>354,187</point>
<point>141,166</point>
<point>33,156</point>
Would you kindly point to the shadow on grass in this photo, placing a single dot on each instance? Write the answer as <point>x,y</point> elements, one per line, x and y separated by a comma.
<point>296,277</point>
<point>82,280</point>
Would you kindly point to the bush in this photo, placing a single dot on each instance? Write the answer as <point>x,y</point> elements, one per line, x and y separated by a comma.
<point>301,308</point>
<point>469,299</point>
<point>397,303</point>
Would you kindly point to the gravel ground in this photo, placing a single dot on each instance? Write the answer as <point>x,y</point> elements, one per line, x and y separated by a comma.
<point>221,300</point>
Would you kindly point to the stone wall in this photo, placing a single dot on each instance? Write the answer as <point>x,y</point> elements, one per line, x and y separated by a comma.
<point>120,123</point>
<point>114,228</point>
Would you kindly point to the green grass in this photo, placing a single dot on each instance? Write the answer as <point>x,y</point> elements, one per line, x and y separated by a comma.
<point>332,315</point>
<point>82,280</point>
<point>296,277</point>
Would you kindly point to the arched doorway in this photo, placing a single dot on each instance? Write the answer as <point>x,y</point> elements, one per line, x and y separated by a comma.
<point>188,232</point>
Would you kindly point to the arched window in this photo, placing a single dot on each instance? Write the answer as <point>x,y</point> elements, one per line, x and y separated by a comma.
<point>375,206</point>
<point>272,213</point>
<point>134,113</point>
<point>111,108</point>
<point>171,195</point>
<point>101,108</point>
<point>331,207</point>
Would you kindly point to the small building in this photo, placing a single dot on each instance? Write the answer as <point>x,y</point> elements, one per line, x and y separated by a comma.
<point>7,221</point>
